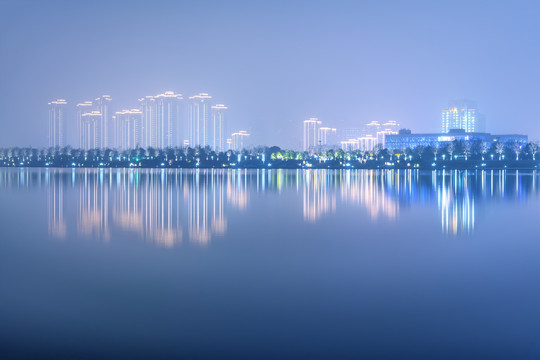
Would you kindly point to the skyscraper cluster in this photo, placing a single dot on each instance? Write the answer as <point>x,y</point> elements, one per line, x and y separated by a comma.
<point>372,135</point>
<point>160,121</point>
<point>317,137</point>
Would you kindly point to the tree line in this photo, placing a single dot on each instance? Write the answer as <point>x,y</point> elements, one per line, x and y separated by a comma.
<point>456,154</point>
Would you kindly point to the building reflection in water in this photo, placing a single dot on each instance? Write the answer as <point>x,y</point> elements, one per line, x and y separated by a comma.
<point>55,202</point>
<point>167,207</point>
<point>93,209</point>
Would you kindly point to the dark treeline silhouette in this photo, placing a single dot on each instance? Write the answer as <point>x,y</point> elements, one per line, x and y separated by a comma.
<point>452,155</point>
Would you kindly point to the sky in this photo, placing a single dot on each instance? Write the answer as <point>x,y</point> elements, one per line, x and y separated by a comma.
<point>274,63</point>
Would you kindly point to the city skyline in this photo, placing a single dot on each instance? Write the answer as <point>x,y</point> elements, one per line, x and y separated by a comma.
<point>380,68</point>
<point>160,122</point>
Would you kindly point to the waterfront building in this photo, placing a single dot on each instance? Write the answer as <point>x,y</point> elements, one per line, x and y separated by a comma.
<point>366,138</point>
<point>463,114</point>
<point>91,132</point>
<point>372,128</point>
<point>168,120</point>
<point>128,129</point>
<point>239,140</point>
<point>311,134</point>
<point>218,131</point>
<point>351,133</point>
<point>199,119</point>
<point>148,122</point>
<point>362,143</point>
<point>57,123</point>
<point>162,122</point>
<point>407,140</point>
<point>82,108</point>
<point>388,128</point>
<point>94,119</point>
<point>327,137</point>
<point>103,105</point>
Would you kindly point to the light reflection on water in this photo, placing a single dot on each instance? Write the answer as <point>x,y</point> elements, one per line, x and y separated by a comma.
<point>166,207</point>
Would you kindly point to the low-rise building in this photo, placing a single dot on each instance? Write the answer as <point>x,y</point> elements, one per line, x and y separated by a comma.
<point>405,139</point>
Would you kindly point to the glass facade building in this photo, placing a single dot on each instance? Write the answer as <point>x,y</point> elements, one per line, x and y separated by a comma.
<point>407,140</point>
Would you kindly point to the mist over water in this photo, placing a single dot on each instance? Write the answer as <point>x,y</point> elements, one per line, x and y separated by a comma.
<point>232,263</point>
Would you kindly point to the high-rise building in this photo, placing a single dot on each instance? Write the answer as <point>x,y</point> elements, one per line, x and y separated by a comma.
<point>148,124</point>
<point>83,108</point>
<point>351,133</point>
<point>388,128</point>
<point>371,135</point>
<point>57,123</point>
<point>372,128</point>
<point>91,132</point>
<point>103,104</point>
<point>199,120</point>
<point>239,140</point>
<point>462,114</point>
<point>95,123</point>
<point>128,129</point>
<point>218,123</point>
<point>311,134</point>
<point>168,119</point>
<point>362,143</point>
<point>327,137</point>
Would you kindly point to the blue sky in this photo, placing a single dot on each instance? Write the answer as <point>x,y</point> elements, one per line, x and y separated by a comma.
<point>274,63</point>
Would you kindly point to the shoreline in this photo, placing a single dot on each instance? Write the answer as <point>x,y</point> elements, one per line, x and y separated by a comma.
<point>428,167</point>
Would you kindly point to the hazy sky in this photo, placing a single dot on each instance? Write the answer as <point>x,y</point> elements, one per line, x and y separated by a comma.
<point>274,63</point>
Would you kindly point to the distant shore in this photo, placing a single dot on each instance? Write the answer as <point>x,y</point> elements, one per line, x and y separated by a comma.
<point>454,156</point>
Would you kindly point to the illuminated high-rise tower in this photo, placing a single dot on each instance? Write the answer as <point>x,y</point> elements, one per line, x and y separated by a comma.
<point>239,140</point>
<point>168,119</point>
<point>327,136</point>
<point>311,134</point>
<point>91,132</point>
<point>103,104</point>
<point>199,120</point>
<point>389,128</point>
<point>95,123</point>
<point>218,123</point>
<point>462,114</point>
<point>83,108</point>
<point>148,125</point>
<point>57,123</point>
<point>128,129</point>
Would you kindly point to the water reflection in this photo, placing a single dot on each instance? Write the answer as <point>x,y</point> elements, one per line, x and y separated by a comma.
<point>166,207</point>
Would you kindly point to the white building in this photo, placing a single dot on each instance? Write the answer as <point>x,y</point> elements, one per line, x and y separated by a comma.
<point>327,137</point>
<point>82,108</point>
<point>462,114</point>
<point>103,105</point>
<point>168,119</point>
<point>94,119</point>
<point>388,128</point>
<point>128,129</point>
<point>148,122</point>
<point>199,120</point>
<point>218,131</point>
<point>57,123</point>
<point>91,130</point>
<point>311,134</point>
<point>239,140</point>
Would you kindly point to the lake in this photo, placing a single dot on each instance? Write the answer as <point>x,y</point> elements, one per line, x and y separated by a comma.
<point>390,264</point>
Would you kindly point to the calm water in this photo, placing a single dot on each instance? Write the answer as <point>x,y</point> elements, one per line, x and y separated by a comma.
<point>245,264</point>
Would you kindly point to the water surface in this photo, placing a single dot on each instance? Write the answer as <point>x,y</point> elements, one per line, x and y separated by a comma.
<point>240,263</point>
